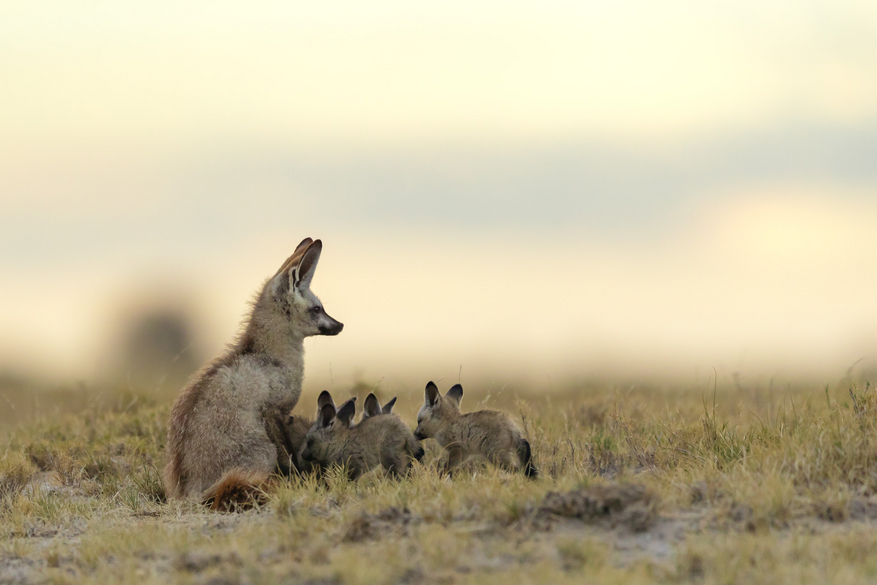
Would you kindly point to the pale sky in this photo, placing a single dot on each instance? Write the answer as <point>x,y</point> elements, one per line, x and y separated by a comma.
<point>553,188</point>
<point>100,74</point>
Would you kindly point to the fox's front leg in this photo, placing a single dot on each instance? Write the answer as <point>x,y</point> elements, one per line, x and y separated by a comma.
<point>455,458</point>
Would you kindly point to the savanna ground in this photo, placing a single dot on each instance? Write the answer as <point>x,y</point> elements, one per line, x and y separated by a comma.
<point>640,484</point>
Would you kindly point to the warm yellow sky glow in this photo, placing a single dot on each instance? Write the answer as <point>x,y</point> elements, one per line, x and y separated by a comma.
<point>541,189</point>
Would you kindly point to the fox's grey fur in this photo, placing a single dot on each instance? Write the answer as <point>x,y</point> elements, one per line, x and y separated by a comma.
<point>229,417</point>
<point>489,434</point>
<point>372,407</point>
<point>376,441</point>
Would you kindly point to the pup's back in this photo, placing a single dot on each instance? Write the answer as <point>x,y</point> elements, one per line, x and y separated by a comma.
<point>379,440</point>
<point>386,441</point>
<point>488,433</point>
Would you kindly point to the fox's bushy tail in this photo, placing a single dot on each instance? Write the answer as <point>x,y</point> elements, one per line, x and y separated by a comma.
<point>235,490</point>
<point>525,455</point>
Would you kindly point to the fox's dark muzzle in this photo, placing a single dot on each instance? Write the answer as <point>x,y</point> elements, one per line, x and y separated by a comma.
<point>419,436</point>
<point>333,328</point>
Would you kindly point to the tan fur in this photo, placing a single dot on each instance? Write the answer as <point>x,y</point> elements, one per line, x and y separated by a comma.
<point>376,441</point>
<point>490,434</point>
<point>230,415</point>
<point>236,489</point>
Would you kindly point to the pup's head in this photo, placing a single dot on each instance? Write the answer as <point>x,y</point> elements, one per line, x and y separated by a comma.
<point>322,442</point>
<point>437,410</point>
<point>373,408</point>
<point>297,428</point>
<point>288,297</point>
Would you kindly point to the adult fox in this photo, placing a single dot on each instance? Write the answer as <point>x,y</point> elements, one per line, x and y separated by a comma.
<point>226,427</point>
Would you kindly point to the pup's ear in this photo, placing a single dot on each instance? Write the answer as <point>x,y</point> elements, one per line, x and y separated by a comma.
<point>327,415</point>
<point>456,393</point>
<point>388,407</point>
<point>304,272</point>
<point>346,412</point>
<point>432,395</point>
<point>325,398</point>
<point>371,407</point>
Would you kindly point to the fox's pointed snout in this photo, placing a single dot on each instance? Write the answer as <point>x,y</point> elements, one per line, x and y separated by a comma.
<point>332,328</point>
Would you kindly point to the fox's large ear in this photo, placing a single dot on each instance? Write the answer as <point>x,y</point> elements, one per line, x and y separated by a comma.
<point>327,415</point>
<point>432,394</point>
<point>282,279</point>
<point>304,272</point>
<point>302,246</point>
<point>346,412</point>
<point>388,407</point>
<point>456,392</point>
<point>371,407</point>
<point>296,256</point>
<point>325,398</point>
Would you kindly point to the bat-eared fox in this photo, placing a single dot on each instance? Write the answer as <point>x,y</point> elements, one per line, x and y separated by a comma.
<point>226,427</point>
<point>380,440</point>
<point>487,433</point>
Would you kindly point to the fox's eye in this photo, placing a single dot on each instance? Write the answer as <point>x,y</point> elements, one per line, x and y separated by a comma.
<point>316,310</point>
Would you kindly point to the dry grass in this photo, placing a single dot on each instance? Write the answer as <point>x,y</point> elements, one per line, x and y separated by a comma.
<point>639,485</point>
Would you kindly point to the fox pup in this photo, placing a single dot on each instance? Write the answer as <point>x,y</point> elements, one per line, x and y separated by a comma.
<point>486,433</point>
<point>293,436</point>
<point>377,440</point>
<point>293,440</point>
<point>224,435</point>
